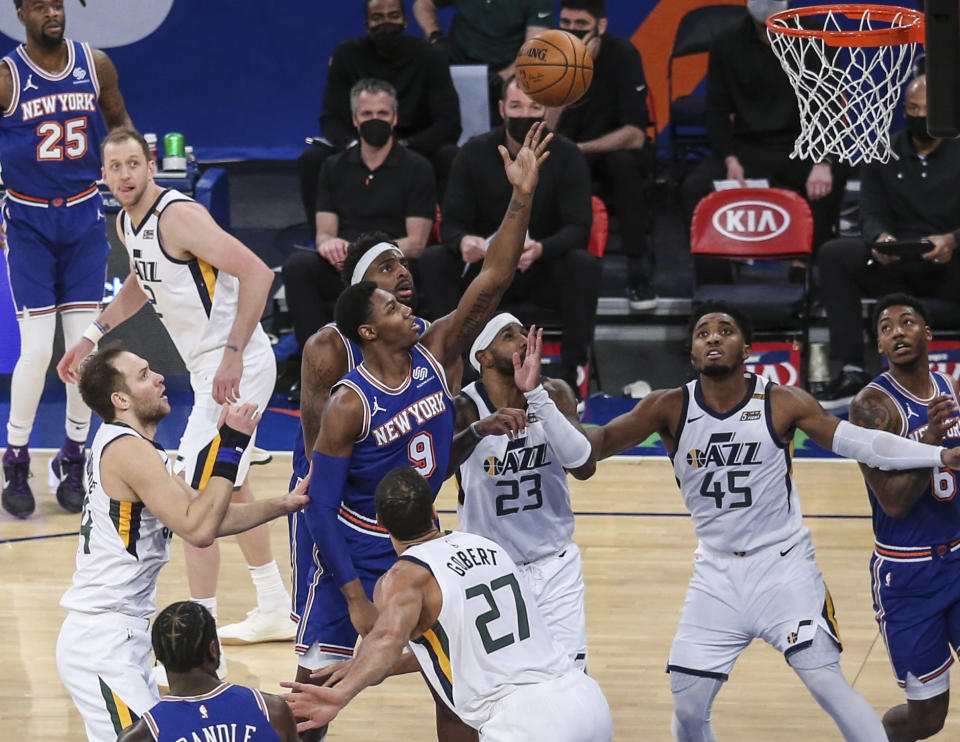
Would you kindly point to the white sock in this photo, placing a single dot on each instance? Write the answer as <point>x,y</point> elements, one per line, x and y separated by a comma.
<point>78,414</point>
<point>272,594</point>
<point>209,603</point>
<point>26,384</point>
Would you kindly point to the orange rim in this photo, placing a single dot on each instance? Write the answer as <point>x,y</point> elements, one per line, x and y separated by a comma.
<point>910,30</point>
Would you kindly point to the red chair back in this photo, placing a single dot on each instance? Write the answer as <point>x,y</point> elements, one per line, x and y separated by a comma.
<point>752,223</point>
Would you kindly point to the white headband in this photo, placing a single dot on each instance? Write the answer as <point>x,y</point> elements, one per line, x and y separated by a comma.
<point>369,256</point>
<point>488,333</point>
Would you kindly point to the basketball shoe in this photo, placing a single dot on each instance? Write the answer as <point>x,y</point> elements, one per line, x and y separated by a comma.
<point>17,497</point>
<point>66,474</point>
<point>260,626</point>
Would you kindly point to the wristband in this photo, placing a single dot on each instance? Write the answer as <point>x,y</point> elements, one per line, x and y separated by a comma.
<point>94,332</point>
<point>473,429</point>
<point>432,38</point>
<point>232,445</point>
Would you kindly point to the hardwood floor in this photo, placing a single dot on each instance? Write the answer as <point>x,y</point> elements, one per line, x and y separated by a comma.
<point>637,547</point>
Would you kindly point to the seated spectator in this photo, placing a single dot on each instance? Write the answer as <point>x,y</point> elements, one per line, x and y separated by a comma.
<point>609,126</point>
<point>752,123</point>
<point>556,270</point>
<point>428,108</point>
<point>913,197</point>
<point>377,185</point>
<point>488,32</point>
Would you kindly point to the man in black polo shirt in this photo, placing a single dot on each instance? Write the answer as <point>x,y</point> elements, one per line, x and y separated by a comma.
<point>378,185</point>
<point>608,124</point>
<point>912,198</point>
<point>428,108</point>
<point>555,270</point>
<point>752,122</point>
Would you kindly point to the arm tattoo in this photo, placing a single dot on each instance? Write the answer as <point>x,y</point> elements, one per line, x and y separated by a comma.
<point>872,413</point>
<point>515,206</point>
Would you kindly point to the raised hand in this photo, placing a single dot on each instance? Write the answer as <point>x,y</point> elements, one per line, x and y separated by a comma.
<point>315,704</point>
<point>524,170</point>
<point>527,375</point>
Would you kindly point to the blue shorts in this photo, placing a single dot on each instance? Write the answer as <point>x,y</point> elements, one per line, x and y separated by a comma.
<point>917,606</point>
<point>319,607</point>
<point>57,253</point>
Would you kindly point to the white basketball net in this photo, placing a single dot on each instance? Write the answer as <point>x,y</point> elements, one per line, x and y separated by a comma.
<point>847,94</point>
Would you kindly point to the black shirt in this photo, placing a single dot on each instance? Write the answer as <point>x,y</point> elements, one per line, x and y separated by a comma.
<point>381,199</point>
<point>616,97</point>
<point>492,31</point>
<point>914,196</point>
<point>478,193</point>
<point>744,78</point>
<point>428,113</point>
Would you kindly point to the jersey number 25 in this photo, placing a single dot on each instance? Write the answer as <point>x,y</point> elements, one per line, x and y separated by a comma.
<point>58,140</point>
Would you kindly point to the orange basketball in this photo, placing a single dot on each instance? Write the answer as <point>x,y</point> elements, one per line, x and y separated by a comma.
<point>554,68</point>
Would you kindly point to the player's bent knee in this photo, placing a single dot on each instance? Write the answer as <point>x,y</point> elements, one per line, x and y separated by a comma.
<point>928,716</point>
<point>692,701</point>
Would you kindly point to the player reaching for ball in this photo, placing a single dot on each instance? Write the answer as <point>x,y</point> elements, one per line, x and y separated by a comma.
<point>730,434</point>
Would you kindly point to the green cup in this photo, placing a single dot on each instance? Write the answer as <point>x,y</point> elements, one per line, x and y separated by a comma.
<point>174,154</point>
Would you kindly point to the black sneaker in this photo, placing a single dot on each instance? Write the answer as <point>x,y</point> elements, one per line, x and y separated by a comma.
<point>17,497</point>
<point>641,298</point>
<point>841,391</point>
<point>67,474</point>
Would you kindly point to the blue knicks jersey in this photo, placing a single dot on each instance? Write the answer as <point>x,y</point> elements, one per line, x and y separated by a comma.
<point>411,425</point>
<point>228,713</point>
<point>935,518</point>
<point>50,134</point>
<point>354,358</point>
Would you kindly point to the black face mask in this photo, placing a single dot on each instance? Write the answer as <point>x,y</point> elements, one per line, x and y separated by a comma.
<point>518,126</point>
<point>580,33</point>
<point>917,126</point>
<point>387,37</point>
<point>375,132</point>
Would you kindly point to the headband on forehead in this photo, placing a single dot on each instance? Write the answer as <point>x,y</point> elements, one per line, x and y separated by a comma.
<point>366,260</point>
<point>488,333</point>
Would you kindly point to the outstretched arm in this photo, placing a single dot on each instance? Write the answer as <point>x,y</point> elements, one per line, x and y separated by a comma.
<point>400,600</point>
<point>450,336</point>
<point>658,412</point>
<point>898,491</point>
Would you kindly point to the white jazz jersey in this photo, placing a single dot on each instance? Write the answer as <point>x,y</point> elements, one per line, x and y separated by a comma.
<point>515,491</point>
<point>122,544</point>
<point>736,477</point>
<point>489,639</point>
<point>195,302</point>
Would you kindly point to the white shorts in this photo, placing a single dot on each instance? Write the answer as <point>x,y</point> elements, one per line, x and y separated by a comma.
<point>104,661</point>
<point>776,593</point>
<point>556,582</point>
<point>200,439</point>
<point>568,709</point>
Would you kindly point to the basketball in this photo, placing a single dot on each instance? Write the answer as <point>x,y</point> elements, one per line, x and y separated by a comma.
<point>554,68</point>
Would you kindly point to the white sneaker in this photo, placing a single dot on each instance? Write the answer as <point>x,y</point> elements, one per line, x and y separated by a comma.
<point>260,456</point>
<point>260,626</point>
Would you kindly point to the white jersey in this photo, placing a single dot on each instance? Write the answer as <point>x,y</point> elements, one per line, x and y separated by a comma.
<point>122,544</point>
<point>736,477</point>
<point>489,639</point>
<point>196,303</point>
<point>515,491</point>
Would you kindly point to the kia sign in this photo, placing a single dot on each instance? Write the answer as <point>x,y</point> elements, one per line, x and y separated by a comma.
<point>751,221</point>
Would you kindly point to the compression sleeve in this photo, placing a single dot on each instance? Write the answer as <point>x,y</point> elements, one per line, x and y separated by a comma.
<point>883,450</point>
<point>570,445</point>
<point>326,489</point>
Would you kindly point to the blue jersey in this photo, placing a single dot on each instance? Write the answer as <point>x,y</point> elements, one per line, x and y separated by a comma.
<point>354,358</point>
<point>228,712</point>
<point>935,518</point>
<point>411,425</point>
<point>50,134</point>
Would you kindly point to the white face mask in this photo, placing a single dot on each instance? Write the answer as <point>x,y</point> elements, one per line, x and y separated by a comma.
<point>760,10</point>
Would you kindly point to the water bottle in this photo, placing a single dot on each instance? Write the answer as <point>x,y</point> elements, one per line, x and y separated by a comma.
<point>151,140</point>
<point>193,167</point>
<point>174,157</point>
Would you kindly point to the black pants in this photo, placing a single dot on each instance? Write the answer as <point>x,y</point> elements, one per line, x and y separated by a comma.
<point>624,175</point>
<point>311,161</point>
<point>312,286</point>
<point>567,285</point>
<point>846,278</point>
<point>775,165</point>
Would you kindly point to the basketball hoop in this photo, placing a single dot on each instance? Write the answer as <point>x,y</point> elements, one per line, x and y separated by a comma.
<point>846,64</point>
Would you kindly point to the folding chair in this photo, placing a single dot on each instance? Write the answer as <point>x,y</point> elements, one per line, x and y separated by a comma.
<point>762,231</point>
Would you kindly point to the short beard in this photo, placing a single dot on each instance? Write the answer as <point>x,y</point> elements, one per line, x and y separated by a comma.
<point>49,42</point>
<point>153,415</point>
<point>717,372</point>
